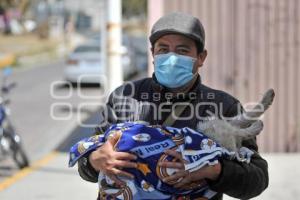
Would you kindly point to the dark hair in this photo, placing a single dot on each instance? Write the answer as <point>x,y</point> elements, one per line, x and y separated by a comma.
<point>200,47</point>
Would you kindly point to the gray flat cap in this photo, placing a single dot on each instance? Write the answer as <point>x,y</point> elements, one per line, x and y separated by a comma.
<point>178,23</point>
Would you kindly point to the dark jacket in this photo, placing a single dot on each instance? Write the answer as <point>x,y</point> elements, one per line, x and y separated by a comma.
<point>239,180</point>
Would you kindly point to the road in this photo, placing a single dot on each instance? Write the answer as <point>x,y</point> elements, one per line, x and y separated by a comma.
<point>47,135</point>
<point>39,89</point>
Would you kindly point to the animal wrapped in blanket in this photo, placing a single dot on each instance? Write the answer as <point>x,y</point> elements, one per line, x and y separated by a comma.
<point>198,148</point>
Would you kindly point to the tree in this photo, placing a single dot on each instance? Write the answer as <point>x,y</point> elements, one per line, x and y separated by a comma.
<point>132,8</point>
<point>21,5</point>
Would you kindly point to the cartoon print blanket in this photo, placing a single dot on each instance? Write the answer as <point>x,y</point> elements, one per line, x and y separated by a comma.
<point>149,143</point>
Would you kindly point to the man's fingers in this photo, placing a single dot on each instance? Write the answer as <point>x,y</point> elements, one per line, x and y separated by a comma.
<point>186,180</point>
<point>174,153</point>
<point>125,156</point>
<point>182,182</point>
<point>119,172</point>
<point>185,187</point>
<point>125,164</point>
<point>175,177</point>
<point>176,165</point>
<point>201,173</point>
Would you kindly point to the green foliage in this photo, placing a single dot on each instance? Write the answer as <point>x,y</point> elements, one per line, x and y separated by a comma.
<point>22,5</point>
<point>8,3</point>
<point>132,8</point>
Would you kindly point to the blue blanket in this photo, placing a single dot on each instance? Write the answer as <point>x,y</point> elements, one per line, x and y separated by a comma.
<point>149,143</point>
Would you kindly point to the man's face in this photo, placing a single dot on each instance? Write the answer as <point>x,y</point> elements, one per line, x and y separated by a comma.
<point>181,45</point>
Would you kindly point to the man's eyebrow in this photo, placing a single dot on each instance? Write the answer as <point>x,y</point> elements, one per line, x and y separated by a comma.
<point>183,45</point>
<point>162,45</point>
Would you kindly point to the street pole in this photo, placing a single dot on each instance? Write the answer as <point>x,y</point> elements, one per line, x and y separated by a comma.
<point>114,67</point>
<point>103,41</point>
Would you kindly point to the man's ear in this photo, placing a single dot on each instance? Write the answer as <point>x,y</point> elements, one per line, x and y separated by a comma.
<point>201,57</point>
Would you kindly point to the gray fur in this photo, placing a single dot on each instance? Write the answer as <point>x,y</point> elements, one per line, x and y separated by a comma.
<point>230,134</point>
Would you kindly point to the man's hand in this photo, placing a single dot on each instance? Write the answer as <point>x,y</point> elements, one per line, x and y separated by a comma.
<point>211,172</point>
<point>110,162</point>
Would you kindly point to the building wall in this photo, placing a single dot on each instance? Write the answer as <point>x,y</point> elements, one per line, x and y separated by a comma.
<point>252,45</point>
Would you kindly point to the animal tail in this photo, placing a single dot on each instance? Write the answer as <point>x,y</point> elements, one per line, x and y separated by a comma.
<point>243,120</point>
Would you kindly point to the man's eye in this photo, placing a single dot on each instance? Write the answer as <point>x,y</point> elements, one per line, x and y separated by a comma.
<point>183,51</point>
<point>162,50</point>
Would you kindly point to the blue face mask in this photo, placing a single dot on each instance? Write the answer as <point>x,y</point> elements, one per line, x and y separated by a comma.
<point>173,70</point>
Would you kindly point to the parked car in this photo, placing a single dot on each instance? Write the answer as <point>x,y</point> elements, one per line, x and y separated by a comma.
<point>84,64</point>
<point>128,53</point>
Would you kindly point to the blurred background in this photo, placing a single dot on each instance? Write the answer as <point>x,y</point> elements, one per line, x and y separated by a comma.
<point>49,45</point>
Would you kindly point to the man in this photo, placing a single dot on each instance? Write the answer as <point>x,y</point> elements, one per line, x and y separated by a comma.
<point>178,49</point>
